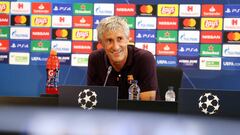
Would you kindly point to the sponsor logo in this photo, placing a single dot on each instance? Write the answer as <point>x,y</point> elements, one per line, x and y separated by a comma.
<point>95,34</point>
<point>62,46</point>
<point>131,22</point>
<point>145,22</point>
<point>125,9</point>
<point>40,46</point>
<point>167,23</point>
<point>20,20</point>
<point>188,36</point>
<point>96,20</point>
<point>80,60</point>
<point>166,49</point>
<point>41,8</point>
<point>83,9</point>
<point>62,34</point>
<point>41,33</point>
<point>61,21</point>
<point>211,37</point>
<point>167,9</point>
<point>231,37</point>
<point>189,23</point>
<point>19,58</point>
<point>231,24</point>
<point>38,58</point>
<point>41,20</point>
<point>82,21</point>
<point>4,32</point>
<point>166,60</point>
<point>81,47</point>
<point>151,47</point>
<point>62,8</point>
<point>82,34</point>
<point>145,36</point>
<point>132,36</point>
<point>188,50</point>
<point>4,58</point>
<point>4,19</point>
<point>189,10</point>
<point>20,7</point>
<point>210,63</point>
<point>211,24</point>
<point>64,59</point>
<point>19,45</point>
<point>19,33</point>
<point>230,63</point>
<point>210,50</point>
<point>4,7</point>
<point>4,45</point>
<point>212,10</point>
<point>188,62</point>
<point>167,36</point>
<point>229,50</point>
<point>146,10</point>
<point>103,9</point>
<point>231,10</point>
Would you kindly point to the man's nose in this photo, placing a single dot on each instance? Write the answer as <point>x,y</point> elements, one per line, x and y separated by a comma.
<point>115,45</point>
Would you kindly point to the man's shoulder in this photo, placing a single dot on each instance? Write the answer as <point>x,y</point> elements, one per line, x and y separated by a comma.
<point>138,52</point>
<point>97,53</point>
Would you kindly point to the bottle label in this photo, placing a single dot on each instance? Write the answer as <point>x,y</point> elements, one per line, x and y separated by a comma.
<point>52,78</point>
<point>134,92</point>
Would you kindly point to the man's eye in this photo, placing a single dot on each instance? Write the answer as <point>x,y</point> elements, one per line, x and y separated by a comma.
<point>108,41</point>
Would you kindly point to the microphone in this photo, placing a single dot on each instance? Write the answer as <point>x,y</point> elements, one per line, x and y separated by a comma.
<point>108,72</point>
<point>189,80</point>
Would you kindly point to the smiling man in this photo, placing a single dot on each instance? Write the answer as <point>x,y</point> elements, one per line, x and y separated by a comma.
<point>126,61</point>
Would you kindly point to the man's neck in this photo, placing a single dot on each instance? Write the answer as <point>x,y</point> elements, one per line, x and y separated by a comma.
<point>118,66</point>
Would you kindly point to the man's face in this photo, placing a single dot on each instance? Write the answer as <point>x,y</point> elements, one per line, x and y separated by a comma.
<point>115,44</point>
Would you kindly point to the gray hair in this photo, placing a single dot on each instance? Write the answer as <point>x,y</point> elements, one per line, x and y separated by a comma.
<point>112,23</point>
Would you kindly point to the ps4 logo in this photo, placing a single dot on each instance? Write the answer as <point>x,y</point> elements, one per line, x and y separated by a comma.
<point>145,35</point>
<point>56,8</point>
<point>19,45</point>
<point>182,49</point>
<point>65,9</point>
<point>228,10</point>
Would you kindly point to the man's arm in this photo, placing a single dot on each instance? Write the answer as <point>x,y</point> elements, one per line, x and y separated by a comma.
<point>148,77</point>
<point>148,95</point>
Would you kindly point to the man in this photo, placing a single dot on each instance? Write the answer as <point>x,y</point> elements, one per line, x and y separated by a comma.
<point>127,61</point>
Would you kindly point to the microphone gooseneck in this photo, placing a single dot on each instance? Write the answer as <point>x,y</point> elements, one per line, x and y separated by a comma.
<point>189,80</point>
<point>108,72</point>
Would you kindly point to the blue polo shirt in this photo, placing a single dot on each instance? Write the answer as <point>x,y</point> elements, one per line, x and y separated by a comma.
<point>140,64</point>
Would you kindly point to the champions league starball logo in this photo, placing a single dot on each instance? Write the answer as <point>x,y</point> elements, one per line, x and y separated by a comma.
<point>87,99</point>
<point>208,103</point>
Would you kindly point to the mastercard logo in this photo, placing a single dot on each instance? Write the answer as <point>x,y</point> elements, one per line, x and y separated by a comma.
<point>189,22</point>
<point>233,36</point>
<point>146,9</point>
<point>20,19</point>
<point>62,33</point>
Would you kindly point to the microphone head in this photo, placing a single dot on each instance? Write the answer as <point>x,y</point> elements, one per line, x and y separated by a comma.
<point>109,69</point>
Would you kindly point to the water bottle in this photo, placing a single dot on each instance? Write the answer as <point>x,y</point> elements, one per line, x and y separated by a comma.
<point>134,91</point>
<point>170,94</point>
<point>52,69</point>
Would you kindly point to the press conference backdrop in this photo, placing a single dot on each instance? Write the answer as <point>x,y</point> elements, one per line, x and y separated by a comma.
<point>200,37</point>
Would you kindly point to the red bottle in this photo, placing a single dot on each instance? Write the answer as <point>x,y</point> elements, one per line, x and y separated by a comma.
<point>52,68</point>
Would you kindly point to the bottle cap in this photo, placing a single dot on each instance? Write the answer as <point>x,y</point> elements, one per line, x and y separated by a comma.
<point>53,52</point>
